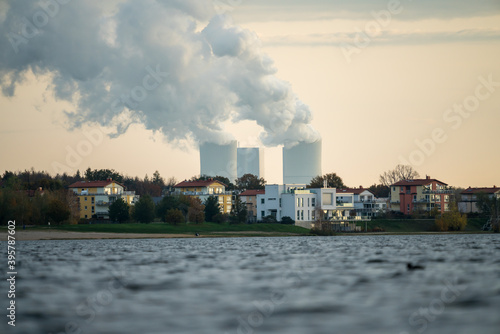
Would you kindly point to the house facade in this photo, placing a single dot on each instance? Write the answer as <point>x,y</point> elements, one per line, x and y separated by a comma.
<point>468,198</point>
<point>202,189</point>
<point>249,198</point>
<point>365,203</point>
<point>95,197</point>
<point>426,194</point>
<point>304,205</point>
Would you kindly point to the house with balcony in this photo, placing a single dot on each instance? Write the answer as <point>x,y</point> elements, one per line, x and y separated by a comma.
<point>95,197</point>
<point>365,203</point>
<point>303,205</point>
<point>202,189</point>
<point>249,198</point>
<point>468,198</point>
<point>426,194</point>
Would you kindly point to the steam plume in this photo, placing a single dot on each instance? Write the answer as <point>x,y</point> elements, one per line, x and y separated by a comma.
<point>174,66</point>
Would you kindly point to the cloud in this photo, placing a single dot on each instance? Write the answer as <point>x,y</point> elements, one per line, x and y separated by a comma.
<point>174,66</point>
<point>299,10</point>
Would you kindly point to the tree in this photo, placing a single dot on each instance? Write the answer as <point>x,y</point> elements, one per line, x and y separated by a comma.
<point>379,190</point>
<point>490,206</point>
<point>212,208</point>
<point>332,181</point>
<point>166,203</point>
<point>157,179</point>
<point>119,211</point>
<point>238,212</point>
<point>58,211</point>
<point>400,172</point>
<point>144,210</point>
<point>250,181</point>
<point>174,217</point>
<point>451,220</point>
<point>102,174</point>
<point>196,211</point>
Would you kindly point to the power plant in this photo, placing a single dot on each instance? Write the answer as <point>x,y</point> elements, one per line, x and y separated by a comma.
<point>250,161</point>
<point>301,162</point>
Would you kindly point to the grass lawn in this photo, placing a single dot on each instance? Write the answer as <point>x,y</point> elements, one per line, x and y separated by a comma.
<point>206,228</point>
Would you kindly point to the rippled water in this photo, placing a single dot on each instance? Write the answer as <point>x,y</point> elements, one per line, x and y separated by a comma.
<point>357,284</point>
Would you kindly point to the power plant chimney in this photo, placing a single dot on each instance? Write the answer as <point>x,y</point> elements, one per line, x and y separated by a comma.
<point>219,160</point>
<point>301,163</point>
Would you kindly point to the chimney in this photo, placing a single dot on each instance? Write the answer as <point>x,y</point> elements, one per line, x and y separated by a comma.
<point>360,187</point>
<point>427,177</point>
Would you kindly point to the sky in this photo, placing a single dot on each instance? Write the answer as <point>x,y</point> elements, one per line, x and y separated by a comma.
<point>135,86</point>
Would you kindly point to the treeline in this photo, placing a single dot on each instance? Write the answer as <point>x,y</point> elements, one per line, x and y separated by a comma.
<point>176,210</point>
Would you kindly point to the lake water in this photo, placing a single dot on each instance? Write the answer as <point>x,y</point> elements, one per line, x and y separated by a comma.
<point>357,284</point>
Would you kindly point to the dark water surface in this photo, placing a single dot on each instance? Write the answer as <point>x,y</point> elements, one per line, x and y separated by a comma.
<point>357,284</point>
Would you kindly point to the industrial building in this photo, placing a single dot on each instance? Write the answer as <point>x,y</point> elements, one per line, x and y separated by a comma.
<point>301,163</point>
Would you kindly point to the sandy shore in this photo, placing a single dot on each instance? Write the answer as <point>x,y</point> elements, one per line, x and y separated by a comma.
<point>66,235</point>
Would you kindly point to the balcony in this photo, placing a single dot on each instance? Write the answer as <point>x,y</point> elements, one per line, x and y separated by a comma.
<point>437,191</point>
<point>350,218</point>
<point>345,205</point>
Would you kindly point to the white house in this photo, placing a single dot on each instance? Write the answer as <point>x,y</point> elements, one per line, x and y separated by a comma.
<point>303,205</point>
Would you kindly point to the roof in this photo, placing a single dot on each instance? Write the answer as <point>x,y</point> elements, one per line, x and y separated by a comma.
<point>417,182</point>
<point>199,183</point>
<point>470,190</point>
<point>93,184</point>
<point>355,191</point>
<point>253,192</point>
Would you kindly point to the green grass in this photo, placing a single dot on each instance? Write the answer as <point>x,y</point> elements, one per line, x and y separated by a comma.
<point>206,228</point>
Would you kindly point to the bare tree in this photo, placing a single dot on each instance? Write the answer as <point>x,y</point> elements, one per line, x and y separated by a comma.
<point>401,172</point>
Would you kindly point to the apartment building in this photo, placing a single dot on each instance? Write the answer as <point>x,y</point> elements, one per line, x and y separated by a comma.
<point>202,189</point>
<point>468,198</point>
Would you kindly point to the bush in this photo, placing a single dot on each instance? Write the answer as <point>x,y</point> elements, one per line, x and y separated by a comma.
<point>269,220</point>
<point>221,218</point>
<point>287,220</point>
<point>174,217</point>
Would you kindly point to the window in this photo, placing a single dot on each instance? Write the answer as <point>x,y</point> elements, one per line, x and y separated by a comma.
<point>92,209</point>
<point>313,215</point>
<point>408,208</point>
<point>85,198</point>
<point>85,208</point>
<point>308,215</point>
<point>298,214</point>
<point>298,202</point>
<point>314,202</point>
<point>301,214</point>
<point>393,188</point>
<point>92,199</point>
<point>85,216</point>
<point>262,213</point>
<point>280,202</point>
<point>262,201</point>
<point>308,202</point>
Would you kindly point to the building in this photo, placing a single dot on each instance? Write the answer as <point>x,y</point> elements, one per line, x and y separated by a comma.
<point>250,160</point>
<point>468,198</point>
<point>303,205</point>
<point>426,194</point>
<point>364,201</point>
<point>249,197</point>
<point>219,160</point>
<point>95,197</point>
<point>202,189</point>
<point>301,163</point>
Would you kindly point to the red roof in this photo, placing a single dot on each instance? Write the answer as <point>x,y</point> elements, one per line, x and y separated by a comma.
<point>253,192</point>
<point>200,183</point>
<point>417,182</point>
<point>355,191</point>
<point>493,190</point>
<point>93,184</point>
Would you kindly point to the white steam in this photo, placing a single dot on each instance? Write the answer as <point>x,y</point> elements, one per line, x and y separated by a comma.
<point>174,66</point>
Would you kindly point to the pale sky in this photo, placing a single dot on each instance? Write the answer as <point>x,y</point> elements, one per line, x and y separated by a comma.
<point>371,102</point>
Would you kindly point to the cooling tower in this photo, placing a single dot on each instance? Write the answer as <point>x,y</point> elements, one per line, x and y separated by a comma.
<point>250,161</point>
<point>218,160</point>
<point>301,163</point>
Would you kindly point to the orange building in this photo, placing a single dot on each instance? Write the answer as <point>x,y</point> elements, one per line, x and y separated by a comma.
<point>426,194</point>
